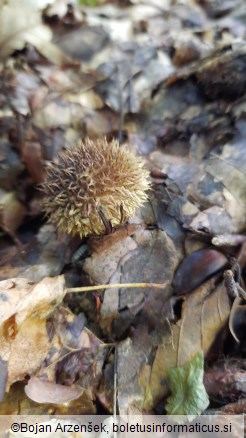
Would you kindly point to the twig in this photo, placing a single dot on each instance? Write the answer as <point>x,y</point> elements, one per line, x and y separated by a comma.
<point>119,285</point>
<point>233,288</point>
<point>115,389</point>
<point>121,105</point>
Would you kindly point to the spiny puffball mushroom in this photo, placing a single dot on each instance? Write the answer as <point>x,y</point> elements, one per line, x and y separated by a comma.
<point>93,182</point>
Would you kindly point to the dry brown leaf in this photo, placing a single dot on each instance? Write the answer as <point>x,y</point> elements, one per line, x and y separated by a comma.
<point>216,188</point>
<point>133,352</point>
<point>10,164</point>
<point>153,378</point>
<point>83,366</point>
<point>12,212</point>
<point>50,353</point>
<point>204,313</point>
<point>24,299</point>
<point>115,246</point>
<point>26,350</point>
<point>150,256</point>
<point>52,52</point>
<point>14,34</point>
<point>45,255</point>
<point>26,86</point>
<point>58,113</point>
<point>75,356</point>
<point>86,98</point>
<point>32,156</point>
<point>49,392</point>
<point>237,318</point>
<point>24,341</point>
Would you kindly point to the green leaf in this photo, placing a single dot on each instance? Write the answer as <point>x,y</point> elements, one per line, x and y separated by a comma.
<point>189,396</point>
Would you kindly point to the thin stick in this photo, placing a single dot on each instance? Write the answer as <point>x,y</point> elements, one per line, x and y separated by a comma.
<point>115,390</point>
<point>121,104</point>
<point>119,285</point>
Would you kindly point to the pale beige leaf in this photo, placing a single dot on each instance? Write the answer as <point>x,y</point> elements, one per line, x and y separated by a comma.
<point>49,392</point>
<point>21,298</point>
<point>24,350</point>
<point>24,340</point>
<point>12,212</point>
<point>21,22</point>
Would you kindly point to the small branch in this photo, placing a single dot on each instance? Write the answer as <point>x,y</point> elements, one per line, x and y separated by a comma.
<point>119,285</point>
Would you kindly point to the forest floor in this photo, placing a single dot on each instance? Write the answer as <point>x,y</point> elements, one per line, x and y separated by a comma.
<point>166,77</point>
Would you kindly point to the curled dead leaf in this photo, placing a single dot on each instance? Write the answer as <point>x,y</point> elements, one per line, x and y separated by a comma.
<point>49,392</point>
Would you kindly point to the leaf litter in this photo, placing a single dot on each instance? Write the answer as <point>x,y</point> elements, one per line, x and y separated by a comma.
<point>167,79</point>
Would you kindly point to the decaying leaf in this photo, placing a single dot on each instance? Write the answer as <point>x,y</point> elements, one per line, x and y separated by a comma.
<point>138,264</point>
<point>116,246</point>
<point>23,335</point>
<point>16,402</point>
<point>237,317</point>
<point>45,255</point>
<point>26,350</point>
<point>48,392</point>
<point>217,188</point>
<point>10,164</point>
<point>83,366</point>
<point>12,212</point>
<point>134,352</point>
<point>189,396</point>
<point>204,314</point>
<point>32,157</point>
<point>3,377</point>
<point>24,299</point>
<point>14,34</point>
